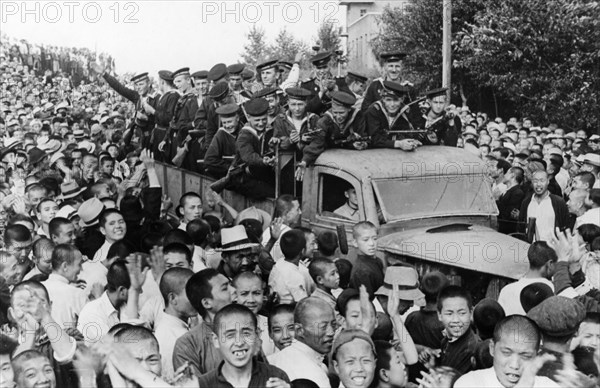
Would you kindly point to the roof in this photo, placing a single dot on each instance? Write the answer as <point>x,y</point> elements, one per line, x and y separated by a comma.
<point>472,247</point>
<point>394,163</point>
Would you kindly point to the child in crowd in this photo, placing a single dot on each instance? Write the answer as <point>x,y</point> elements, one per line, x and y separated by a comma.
<point>286,278</point>
<point>459,345</point>
<point>368,269</point>
<point>327,278</point>
<point>236,338</point>
<point>249,292</point>
<point>282,328</point>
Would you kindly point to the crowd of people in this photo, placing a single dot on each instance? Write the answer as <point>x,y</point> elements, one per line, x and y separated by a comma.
<point>105,283</point>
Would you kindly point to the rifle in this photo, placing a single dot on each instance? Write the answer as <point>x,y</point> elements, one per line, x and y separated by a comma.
<point>233,172</point>
<point>350,140</point>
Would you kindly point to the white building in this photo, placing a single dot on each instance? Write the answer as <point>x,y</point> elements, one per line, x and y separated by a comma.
<point>362,25</point>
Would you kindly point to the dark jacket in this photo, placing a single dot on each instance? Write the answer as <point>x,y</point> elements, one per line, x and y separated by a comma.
<point>378,126</point>
<point>316,104</point>
<point>223,144</point>
<point>511,200</point>
<point>561,212</point>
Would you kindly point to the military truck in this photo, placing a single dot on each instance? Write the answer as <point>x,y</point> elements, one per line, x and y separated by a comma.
<point>434,209</point>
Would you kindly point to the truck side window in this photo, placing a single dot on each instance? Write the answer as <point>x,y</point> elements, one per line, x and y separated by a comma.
<point>332,195</point>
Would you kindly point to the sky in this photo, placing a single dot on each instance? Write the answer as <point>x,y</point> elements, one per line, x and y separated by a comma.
<point>155,35</point>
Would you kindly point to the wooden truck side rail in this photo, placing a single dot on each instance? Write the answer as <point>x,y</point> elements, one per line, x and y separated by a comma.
<point>176,182</point>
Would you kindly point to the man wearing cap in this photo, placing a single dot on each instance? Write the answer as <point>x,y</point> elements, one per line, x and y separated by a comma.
<point>389,114</point>
<point>392,68</point>
<point>240,95</point>
<point>354,84</point>
<point>256,179</point>
<point>143,97</point>
<point>267,75</point>
<point>441,125</point>
<point>271,94</point>
<point>221,150</point>
<point>353,357</point>
<point>341,124</point>
<point>165,109</point>
<point>558,318</point>
<point>218,74</point>
<point>321,85</point>
<point>207,119</point>
<point>183,117</point>
<point>296,128</point>
<point>238,253</point>
<point>201,85</point>
<point>591,163</point>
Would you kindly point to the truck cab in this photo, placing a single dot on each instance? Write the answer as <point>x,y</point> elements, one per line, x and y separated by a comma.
<point>434,209</point>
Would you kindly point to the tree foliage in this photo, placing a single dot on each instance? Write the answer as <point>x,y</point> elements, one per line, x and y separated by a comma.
<point>416,28</point>
<point>543,55</point>
<point>328,36</point>
<point>257,48</point>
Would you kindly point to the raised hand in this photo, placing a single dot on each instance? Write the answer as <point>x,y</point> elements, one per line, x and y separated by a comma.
<point>137,276</point>
<point>369,319</point>
<point>276,226</point>
<point>147,158</point>
<point>157,262</point>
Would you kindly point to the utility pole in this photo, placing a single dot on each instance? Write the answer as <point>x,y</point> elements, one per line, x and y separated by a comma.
<point>447,47</point>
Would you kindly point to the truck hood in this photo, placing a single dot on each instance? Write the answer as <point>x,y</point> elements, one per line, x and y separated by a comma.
<point>471,247</point>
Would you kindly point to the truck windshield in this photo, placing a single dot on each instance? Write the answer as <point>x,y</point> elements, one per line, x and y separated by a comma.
<point>434,196</point>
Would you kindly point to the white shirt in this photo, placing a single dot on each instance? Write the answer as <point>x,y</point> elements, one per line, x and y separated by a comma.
<point>300,361</point>
<point>151,302</point>
<point>42,233</point>
<point>510,295</point>
<point>96,319</point>
<point>562,178</point>
<point>198,259</point>
<point>591,216</point>
<point>288,282</point>
<point>167,330</point>
<point>268,346</point>
<point>102,253</point>
<point>276,253</point>
<point>544,215</point>
<point>67,300</point>
<point>486,378</point>
<point>34,271</point>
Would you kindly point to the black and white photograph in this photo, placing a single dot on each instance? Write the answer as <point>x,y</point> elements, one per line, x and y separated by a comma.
<point>300,194</point>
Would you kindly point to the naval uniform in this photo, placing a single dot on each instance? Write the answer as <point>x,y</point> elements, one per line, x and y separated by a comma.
<point>165,109</point>
<point>222,145</point>
<point>317,105</point>
<point>258,179</point>
<point>142,122</point>
<point>443,130</point>
<point>379,123</point>
<point>182,122</point>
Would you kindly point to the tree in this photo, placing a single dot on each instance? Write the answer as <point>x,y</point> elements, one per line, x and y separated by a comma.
<point>286,46</point>
<point>328,36</point>
<point>257,49</point>
<point>416,28</point>
<point>544,55</point>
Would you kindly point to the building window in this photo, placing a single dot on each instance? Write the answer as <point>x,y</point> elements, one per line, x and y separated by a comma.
<point>363,12</point>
